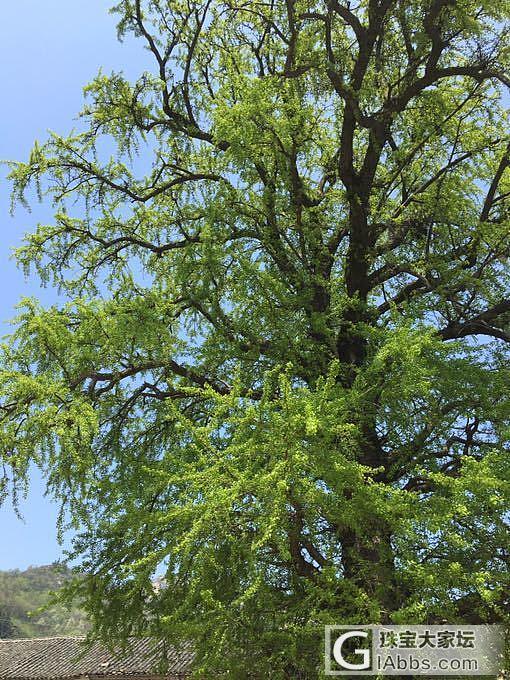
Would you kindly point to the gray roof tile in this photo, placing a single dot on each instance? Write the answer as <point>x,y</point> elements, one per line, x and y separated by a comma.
<point>66,657</point>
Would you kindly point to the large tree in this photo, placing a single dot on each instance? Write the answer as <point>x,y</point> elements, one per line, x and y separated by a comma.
<point>280,373</point>
<point>7,628</point>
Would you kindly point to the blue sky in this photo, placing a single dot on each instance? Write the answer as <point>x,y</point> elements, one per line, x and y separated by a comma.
<point>48,51</point>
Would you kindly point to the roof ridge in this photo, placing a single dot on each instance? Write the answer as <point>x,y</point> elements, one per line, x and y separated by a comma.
<point>50,637</point>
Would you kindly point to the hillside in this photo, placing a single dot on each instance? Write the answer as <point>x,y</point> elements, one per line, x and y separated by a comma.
<point>23,592</point>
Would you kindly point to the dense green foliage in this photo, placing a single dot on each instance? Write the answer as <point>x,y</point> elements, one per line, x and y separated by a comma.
<point>25,609</point>
<point>281,375</point>
<point>7,627</point>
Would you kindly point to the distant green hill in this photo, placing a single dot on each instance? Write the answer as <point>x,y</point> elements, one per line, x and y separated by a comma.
<point>22,592</point>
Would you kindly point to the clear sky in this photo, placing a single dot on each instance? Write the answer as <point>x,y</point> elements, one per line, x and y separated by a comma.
<point>48,51</point>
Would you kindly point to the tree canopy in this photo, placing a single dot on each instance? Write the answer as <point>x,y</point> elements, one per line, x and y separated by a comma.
<point>7,628</point>
<point>279,376</point>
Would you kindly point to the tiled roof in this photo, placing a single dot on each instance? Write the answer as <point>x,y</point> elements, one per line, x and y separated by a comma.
<point>64,657</point>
